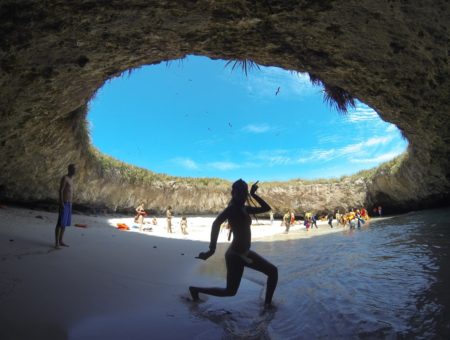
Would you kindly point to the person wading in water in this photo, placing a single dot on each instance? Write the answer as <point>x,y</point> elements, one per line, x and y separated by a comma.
<point>239,254</point>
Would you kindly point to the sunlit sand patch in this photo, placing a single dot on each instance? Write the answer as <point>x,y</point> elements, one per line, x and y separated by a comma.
<point>199,229</point>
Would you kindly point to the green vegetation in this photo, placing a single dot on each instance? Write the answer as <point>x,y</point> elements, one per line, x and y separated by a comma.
<point>112,168</point>
<point>245,65</point>
<point>387,168</point>
<point>334,96</point>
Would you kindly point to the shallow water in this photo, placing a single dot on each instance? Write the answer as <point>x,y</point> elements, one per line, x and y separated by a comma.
<point>389,279</point>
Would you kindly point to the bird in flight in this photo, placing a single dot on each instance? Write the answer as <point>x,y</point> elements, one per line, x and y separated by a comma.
<point>278,91</point>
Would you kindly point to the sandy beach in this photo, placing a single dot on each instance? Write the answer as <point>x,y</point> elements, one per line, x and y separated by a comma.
<point>110,283</point>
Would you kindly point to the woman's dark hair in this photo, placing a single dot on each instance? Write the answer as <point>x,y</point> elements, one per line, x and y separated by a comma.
<point>242,186</point>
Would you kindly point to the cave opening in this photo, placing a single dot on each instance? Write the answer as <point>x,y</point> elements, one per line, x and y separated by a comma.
<point>202,118</point>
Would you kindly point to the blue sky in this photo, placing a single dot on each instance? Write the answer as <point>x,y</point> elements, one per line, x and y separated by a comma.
<point>198,118</point>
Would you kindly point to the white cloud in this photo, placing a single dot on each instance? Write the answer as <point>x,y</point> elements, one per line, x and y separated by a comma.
<point>357,147</point>
<point>378,159</point>
<point>324,154</point>
<point>266,81</point>
<point>316,155</point>
<point>190,164</point>
<point>255,128</point>
<point>223,166</point>
<point>186,163</point>
<point>329,139</point>
<point>278,160</point>
<point>377,140</point>
<point>361,113</point>
<point>270,158</point>
<point>352,148</point>
<point>372,150</point>
<point>391,128</point>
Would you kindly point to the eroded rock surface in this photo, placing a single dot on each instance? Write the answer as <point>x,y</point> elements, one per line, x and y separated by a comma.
<point>391,55</point>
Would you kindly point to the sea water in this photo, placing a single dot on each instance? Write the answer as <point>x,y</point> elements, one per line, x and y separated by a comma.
<point>389,279</point>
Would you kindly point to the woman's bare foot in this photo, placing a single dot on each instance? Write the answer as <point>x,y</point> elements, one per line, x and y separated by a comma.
<point>194,294</point>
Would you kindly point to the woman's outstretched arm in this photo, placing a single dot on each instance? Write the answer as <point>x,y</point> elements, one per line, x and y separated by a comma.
<point>223,216</point>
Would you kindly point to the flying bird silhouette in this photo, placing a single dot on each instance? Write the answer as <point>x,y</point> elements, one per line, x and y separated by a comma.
<point>278,91</point>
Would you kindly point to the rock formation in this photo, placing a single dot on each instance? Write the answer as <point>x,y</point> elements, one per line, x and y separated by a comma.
<point>54,56</point>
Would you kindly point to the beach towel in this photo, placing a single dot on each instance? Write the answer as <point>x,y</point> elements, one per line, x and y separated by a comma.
<point>122,226</point>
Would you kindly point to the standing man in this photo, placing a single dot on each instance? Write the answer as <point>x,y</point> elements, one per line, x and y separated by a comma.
<point>330,219</point>
<point>287,220</point>
<point>314,220</point>
<point>169,219</point>
<point>65,206</point>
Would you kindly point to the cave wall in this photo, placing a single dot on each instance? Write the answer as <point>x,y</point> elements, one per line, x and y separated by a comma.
<point>54,56</point>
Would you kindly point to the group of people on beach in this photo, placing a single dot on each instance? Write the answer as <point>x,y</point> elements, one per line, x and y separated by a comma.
<point>351,218</point>
<point>237,217</point>
<point>141,213</point>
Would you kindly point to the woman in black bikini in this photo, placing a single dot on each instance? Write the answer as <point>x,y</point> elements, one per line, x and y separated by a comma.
<point>239,254</point>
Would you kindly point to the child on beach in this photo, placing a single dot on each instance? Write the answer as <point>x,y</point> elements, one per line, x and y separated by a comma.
<point>306,223</point>
<point>183,225</point>
<point>287,221</point>
<point>169,219</point>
